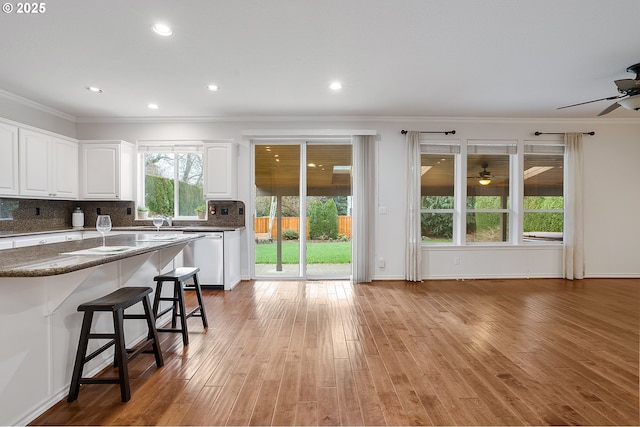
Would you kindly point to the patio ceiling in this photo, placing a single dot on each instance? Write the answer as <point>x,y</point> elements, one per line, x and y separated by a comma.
<point>277,170</point>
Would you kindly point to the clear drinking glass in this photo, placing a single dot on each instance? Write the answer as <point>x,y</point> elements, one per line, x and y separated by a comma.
<point>103,225</point>
<point>157,221</point>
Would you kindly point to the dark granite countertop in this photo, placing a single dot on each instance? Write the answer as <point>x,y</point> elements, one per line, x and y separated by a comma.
<point>183,228</point>
<point>59,258</point>
<point>145,228</point>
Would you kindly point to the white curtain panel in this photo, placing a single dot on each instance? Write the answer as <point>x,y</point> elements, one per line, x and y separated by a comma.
<point>364,207</point>
<point>412,220</point>
<point>573,208</point>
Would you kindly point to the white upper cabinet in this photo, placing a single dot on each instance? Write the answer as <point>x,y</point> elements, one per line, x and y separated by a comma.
<point>8,160</point>
<point>107,170</point>
<point>65,168</point>
<point>220,170</point>
<point>48,166</point>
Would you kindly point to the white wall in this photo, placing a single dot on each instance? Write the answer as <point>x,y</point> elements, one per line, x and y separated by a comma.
<point>30,113</point>
<point>612,164</point>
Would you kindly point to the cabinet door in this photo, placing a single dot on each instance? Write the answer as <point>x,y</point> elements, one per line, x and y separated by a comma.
<point>34,164</point>
<point>220,171</point>
<point>65,169</point>
<point>101,171</point>
<point>8,160</point>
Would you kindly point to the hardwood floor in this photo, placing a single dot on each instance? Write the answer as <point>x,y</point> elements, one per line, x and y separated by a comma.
<point>485,352</point>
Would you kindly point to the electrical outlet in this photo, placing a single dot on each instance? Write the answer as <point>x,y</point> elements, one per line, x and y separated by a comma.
<point>224,211</point>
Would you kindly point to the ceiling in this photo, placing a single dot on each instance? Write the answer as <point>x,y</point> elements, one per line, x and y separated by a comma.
<point>433,58</point>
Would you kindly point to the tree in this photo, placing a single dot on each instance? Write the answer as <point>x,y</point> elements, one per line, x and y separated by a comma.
<point>323,220</point>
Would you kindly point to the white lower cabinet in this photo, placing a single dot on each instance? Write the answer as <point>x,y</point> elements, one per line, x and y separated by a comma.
<point>231,259</point>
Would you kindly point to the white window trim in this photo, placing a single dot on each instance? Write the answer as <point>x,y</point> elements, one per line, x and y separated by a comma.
<point>162,146</point>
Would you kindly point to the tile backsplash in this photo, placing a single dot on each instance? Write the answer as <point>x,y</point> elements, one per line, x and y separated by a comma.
<point>34,215</point>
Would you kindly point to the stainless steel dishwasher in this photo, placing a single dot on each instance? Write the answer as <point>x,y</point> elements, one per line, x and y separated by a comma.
<point>207,254</point>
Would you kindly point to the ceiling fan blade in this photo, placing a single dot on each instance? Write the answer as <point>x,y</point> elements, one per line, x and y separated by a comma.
<point>609,109</point>
<point>589,102</point>
<point>625,85</point>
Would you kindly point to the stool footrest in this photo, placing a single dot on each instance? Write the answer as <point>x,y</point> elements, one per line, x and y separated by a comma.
<point>169,330</point>
<point>98,351</point>
<point>163,312</point>
<point>112,380</point>
<point>106,336</point>
<point>135,316</point>
<point>194,313</point>
<point>139,348</point>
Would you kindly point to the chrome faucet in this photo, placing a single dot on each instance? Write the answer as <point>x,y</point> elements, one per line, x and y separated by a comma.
<point>169,220</point>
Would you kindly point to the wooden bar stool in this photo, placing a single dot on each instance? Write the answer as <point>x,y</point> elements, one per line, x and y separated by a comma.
<point>116,302</point>
<point>179,276</point>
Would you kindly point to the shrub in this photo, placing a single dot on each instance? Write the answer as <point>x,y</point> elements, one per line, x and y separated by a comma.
<point>290,234</point>
<point>323,220</point>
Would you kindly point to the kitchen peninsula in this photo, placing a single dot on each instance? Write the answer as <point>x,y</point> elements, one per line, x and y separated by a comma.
<point>41,288</point>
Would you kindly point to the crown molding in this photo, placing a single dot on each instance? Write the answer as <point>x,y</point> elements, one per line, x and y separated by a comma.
<point>388,119</point>
<point>37,106</point>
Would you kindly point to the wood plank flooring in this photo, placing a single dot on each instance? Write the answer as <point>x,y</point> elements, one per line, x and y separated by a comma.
<point>485,352</point>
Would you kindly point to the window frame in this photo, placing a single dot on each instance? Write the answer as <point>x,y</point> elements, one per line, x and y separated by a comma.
<point>172,147</point>
<point>550,148</point>
<point>507,148</point>
<point>445,147</point>
<point>515,206</point>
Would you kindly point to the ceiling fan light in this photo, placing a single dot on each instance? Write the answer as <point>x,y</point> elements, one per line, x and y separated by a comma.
<point>631,103</point>
<point>484,181</point>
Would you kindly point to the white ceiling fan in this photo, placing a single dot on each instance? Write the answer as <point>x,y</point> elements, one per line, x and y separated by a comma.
<point>629,94</point>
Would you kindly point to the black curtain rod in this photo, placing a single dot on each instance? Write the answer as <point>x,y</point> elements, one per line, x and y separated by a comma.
<point>446,132</point>
<point>561,133</point>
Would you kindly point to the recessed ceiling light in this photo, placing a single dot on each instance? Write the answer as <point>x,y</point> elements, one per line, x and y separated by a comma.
<point>162,29</point>
<point>335,86</point>
<point>153,106</point>
<point>213,88</point>
<point>311,165</point>
<point>94,89</point>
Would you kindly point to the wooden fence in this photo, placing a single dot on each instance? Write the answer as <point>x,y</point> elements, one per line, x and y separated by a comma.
<point>261,225</point>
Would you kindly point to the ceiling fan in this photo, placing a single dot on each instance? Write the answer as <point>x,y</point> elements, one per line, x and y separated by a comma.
<point>484,177</point>
<point>628,98</point>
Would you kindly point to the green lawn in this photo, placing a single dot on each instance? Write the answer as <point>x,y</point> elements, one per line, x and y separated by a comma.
<point>317,253</point>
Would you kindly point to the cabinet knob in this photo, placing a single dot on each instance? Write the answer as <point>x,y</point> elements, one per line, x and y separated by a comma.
<point>42,242</point>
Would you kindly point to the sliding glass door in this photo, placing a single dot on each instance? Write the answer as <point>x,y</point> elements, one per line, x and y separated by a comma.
<point>302,222</point>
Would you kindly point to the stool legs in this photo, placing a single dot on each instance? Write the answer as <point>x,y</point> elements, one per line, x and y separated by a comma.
<point>121,355</point>
<point>74,388</point>
<point>153,334</point>
<point>177,308</point>
<point>117,339</point>
<point>205,323</point>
